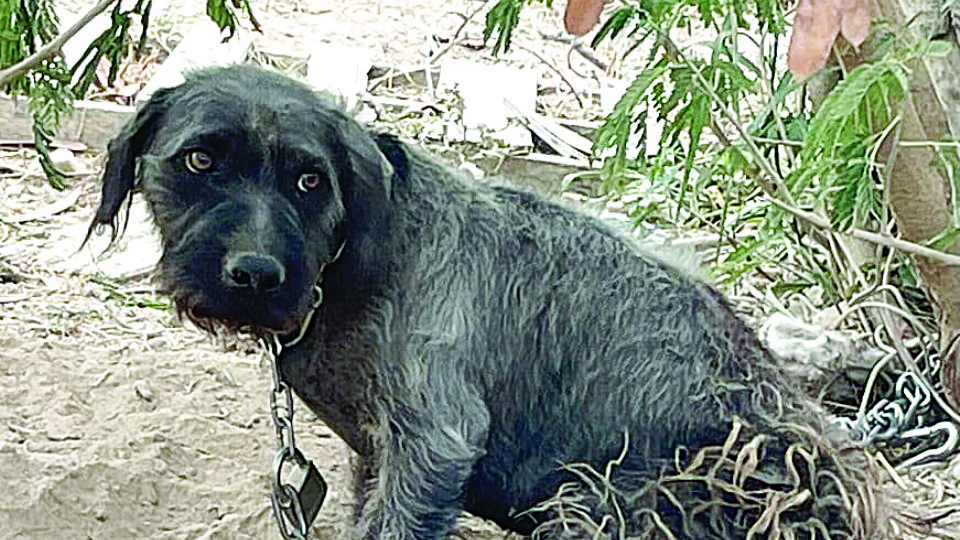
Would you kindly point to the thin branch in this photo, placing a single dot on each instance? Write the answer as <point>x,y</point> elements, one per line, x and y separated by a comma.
<point>880,239</point>
<point>576,45</point>
<point>929,144</point>
<point>456,35</point>
<point>17,70</point>
<point>789,206</point>
<point>588,55</point>
<point>780,142</point>
<point>555,70</point>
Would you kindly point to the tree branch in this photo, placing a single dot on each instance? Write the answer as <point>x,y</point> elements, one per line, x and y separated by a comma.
<point>19,69</point>
<point>876,238</point>
<point>790,206</point>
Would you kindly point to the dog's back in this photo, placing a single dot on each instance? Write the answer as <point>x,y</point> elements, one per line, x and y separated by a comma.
<point>580,346</point>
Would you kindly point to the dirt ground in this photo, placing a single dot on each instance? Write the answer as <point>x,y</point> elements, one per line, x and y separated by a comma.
<point>116,420</point>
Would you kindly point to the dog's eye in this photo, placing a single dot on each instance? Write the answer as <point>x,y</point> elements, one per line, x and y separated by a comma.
<point>308,181</point>
<point>199,161</point>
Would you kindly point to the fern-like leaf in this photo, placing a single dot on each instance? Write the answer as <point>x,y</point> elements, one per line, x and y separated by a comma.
<point>617,128</point>
<point>621,18</point>
<point>858,107</point>
<point>503,19</point>
<point>224,14</point>
<point>50,98</point>
<point>838,147</point>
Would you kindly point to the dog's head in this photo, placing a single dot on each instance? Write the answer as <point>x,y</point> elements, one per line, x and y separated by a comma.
<point>256,184</point>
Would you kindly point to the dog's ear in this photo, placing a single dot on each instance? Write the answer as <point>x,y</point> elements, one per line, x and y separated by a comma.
<point>396,152</point>
<point>366,195</point>
<point>120,172</point>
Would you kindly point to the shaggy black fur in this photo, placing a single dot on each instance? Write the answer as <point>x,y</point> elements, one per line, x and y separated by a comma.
<point>472,337</point>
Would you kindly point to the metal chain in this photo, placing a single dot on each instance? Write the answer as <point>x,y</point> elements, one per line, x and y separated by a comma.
<point>903,419</point>
<point>287,507</point>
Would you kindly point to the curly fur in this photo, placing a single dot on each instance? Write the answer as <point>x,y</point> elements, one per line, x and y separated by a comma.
<point>472,337</point>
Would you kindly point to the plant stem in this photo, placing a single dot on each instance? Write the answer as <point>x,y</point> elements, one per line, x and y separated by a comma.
<point>876,238</point>
<point>790,206</point>
<point>19,69</point>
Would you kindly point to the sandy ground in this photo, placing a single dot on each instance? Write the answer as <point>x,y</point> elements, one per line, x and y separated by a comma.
<point>117,421</point>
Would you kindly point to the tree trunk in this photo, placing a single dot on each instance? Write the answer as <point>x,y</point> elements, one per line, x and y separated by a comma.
<point>919,192</point>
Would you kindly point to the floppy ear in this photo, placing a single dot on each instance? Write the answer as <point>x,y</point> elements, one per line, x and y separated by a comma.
<point>366,196</point>
<point>120,172</point>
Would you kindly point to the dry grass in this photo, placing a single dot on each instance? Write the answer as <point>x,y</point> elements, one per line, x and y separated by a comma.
<point>750,487</point>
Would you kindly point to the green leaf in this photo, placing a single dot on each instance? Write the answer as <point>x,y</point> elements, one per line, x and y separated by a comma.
<point>858,106</point>
<point>617,128</point>
<point>616,23</point>
<point>836,160</point>
<point>945,240</point>
<point>223,13</point>
<point>743,259</point>
<point>502,18</point>
<point>844,204</point>
<point>698,114</point>
<point>50,97</point>
<point>613,129</point>
<point>940,49</point>
<point>706,10</point>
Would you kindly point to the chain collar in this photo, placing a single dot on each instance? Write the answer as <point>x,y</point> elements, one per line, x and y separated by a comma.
<point>272,344</point>
<point>296,502</point>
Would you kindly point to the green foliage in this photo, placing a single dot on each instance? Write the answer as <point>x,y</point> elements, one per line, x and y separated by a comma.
<point>859,106</point>
<point>224,13</point>
<point>26,25</point>
<point>50,97</point>
<point>673,90</point>
<point>728,129</point>
<point>707,96</point>
<point>837,160</point>
<point>621,123</point>
<point>623,17</point>
<point>111,44</point>
<point>503,18</point>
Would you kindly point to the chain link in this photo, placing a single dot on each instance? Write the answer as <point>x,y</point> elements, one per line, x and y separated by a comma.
<point>287,508</point>
<point>904,419</point>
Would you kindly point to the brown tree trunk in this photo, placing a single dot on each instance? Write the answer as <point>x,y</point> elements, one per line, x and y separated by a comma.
<point>919,192</point>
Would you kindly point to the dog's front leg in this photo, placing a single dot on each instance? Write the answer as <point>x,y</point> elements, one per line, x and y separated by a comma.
<point>425,458</point>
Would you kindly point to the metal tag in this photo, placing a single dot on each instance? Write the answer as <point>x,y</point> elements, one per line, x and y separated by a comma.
<point>311,490</point>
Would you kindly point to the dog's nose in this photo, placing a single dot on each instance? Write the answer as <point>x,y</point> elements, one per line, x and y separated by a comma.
<point>259,273</point>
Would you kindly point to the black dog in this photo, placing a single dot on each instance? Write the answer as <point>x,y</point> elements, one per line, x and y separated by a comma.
<point>472,338</point>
